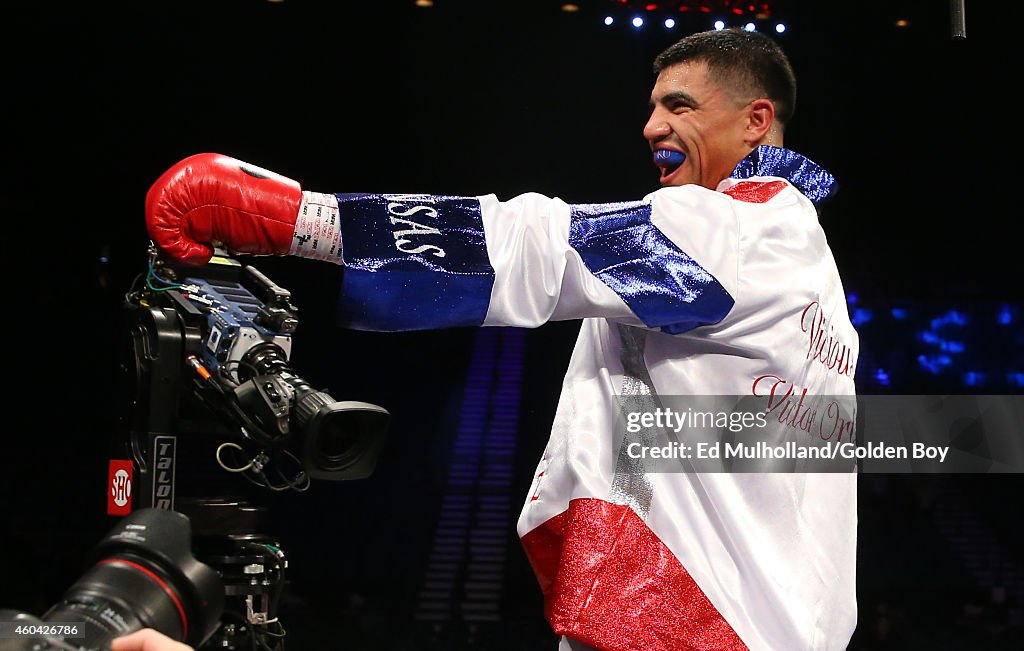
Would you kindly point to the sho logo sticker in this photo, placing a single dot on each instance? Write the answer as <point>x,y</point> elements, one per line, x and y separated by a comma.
<point>119,487</point>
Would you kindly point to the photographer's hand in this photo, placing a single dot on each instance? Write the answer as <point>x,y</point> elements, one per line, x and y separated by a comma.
<point>147,640</point>
<point>210,199</point>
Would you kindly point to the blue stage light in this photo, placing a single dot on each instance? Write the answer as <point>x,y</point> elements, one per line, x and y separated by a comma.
<point>1005,314</point>
<point>973,378</point>
<point>861,316</point>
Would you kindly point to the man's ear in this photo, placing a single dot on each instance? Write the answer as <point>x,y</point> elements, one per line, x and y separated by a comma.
<point>760,118</point>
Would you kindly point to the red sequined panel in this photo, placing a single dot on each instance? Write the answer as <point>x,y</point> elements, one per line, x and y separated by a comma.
<point>609,582</point>
<point>755,191</point>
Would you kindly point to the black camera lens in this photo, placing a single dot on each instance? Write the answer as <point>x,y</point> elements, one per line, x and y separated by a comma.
<point>339,440</point>
<point>343,439</point>
<point>144,577</point>
<point>335,441</point>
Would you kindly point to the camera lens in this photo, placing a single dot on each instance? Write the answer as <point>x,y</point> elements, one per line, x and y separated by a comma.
<point>334,440</point>
<point>339,440</point>
<point>144,577</point>
<point>343,439</point>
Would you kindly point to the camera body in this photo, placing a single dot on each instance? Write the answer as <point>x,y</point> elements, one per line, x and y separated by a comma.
<point>208,363</point>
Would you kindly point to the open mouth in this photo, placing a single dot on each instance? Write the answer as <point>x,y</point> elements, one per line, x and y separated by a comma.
<point>668,161</point>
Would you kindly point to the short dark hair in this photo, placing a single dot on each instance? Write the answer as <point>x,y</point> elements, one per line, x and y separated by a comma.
<point>750,63</point>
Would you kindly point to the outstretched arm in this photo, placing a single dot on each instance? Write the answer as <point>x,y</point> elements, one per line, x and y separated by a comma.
<point>418,261</point>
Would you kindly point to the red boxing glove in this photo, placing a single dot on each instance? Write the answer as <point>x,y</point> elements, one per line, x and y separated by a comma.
<point>210,198</point>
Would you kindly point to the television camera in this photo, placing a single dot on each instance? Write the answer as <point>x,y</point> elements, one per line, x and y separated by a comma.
<point>215,342</point>
<point>208,385</point>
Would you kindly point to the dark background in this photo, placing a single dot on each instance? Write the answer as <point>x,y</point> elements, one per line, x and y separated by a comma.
<point>471,98</point>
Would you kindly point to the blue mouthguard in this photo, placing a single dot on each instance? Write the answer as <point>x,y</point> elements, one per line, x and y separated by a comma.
<point>669,156</point>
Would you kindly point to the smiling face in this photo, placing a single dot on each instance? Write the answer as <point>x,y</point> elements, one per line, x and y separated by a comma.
<point>707,122</point>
